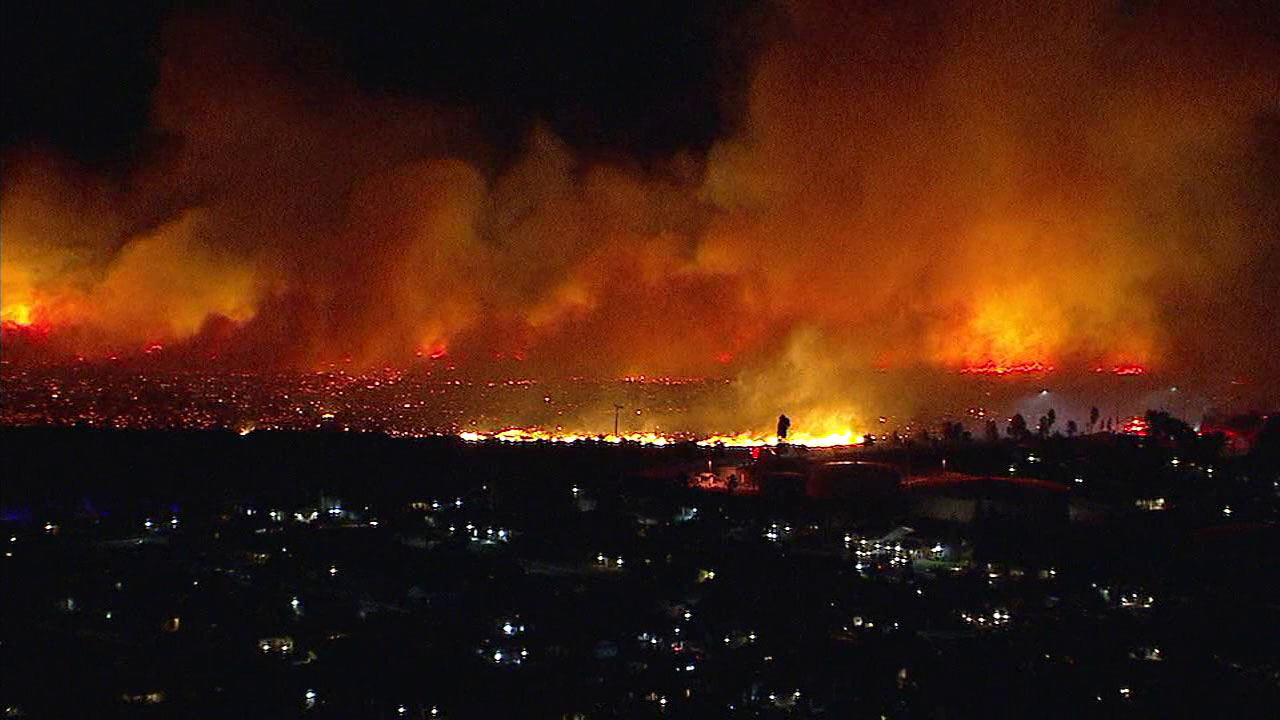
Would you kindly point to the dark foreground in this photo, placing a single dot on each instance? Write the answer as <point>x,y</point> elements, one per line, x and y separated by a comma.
<point>337,575</point>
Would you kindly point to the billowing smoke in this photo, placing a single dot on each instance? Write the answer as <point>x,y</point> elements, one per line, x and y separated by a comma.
<point>909,186</point>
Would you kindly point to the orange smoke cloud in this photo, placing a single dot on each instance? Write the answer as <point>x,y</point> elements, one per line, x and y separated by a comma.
<point>937,186</point>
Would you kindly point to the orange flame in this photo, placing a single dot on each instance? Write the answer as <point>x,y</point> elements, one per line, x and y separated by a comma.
<point>992,367</point>
<point>530,435</point>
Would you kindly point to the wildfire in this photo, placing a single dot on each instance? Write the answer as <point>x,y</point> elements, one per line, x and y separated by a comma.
<point>530,435</point>
<point>20,314</point>
<point>997,368</point>
<point>992,367</point>
<point>1135,426</point>
<point>1123,369</point>
<point>25,320</point>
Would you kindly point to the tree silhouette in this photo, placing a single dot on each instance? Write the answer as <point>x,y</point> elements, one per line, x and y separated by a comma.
<point>1166,428</point>
<point>953,431</point>
<point>993,431</point>
<point>1017,427</point>
<point>1072,429</point>
<point>1093,417</point>
<point>1046,423</point>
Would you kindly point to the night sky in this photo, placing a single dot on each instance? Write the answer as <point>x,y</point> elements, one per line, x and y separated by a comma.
<point>643,81</point>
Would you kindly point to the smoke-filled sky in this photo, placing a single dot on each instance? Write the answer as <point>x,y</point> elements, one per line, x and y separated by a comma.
<point>784,193</point>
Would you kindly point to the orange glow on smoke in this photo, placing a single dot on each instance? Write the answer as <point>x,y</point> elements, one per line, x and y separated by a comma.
<point>25,320</point>
<point>878,196</point>
<point>435,351</point>
<point>20,314</point>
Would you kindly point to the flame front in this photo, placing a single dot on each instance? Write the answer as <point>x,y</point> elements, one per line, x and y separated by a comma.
<point>20,314</point>
<point>528,435</point>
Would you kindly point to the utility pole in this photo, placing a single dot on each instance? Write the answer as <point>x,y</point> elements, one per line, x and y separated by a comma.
<point>616,409</point>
